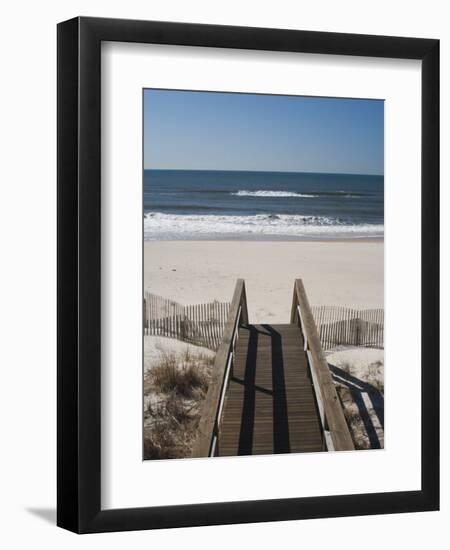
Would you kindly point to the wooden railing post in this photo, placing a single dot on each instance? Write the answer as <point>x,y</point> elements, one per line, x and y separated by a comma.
<point>145,317</point>
<point>243,302</point>
<point>210,415</point>
<point>334,420</point>
<point>294,308</point>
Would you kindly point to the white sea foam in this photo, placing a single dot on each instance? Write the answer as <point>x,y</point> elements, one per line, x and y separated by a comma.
<point>173,226</point>
<point>262,193</point>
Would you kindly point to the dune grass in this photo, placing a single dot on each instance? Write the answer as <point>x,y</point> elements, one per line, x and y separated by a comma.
<point>175,388</point>
<point>183,375</point>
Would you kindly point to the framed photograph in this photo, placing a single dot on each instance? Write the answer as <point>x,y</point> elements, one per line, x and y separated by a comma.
<point>248,275</point>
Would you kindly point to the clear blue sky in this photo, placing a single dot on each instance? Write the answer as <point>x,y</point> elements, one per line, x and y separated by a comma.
<point>227,131</point>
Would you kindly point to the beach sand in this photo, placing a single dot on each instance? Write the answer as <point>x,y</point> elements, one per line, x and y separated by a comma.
<point>347,273</point>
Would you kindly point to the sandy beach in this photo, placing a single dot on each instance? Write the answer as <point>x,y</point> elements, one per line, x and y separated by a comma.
<point>348,273</point>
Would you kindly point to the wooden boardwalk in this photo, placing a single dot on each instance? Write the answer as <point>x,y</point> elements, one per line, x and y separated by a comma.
<point>271,389</point>
<point>270,406</point>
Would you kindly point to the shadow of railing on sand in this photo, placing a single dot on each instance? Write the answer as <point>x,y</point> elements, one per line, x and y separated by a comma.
<point>357,389</point>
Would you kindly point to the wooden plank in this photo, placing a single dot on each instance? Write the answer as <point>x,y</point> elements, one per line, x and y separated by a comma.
<point>207,323</point>
<point>212,323</point>
<point>270,404</point>
<point>153,315</point>
<point>163,312</point>
<point>145,315</point>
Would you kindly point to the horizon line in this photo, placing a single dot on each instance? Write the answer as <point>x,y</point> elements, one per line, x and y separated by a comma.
<point>261,171</point>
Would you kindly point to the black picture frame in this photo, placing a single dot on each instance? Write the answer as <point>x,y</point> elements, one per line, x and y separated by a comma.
<point>79,281</point>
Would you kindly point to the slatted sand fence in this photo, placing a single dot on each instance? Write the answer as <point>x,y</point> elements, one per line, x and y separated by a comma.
<point>162,317</point>
<point>200,324</point>
<point>338,325</point>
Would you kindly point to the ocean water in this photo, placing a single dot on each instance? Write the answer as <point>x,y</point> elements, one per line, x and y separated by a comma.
<point>198,204</point>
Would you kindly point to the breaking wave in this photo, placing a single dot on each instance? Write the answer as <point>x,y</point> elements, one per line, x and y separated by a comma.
<point>159,225</point>
<point>262,193</point>
<point>307,195</point>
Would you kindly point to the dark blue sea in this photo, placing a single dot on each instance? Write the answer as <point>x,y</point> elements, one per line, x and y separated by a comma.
<point>197,204</point>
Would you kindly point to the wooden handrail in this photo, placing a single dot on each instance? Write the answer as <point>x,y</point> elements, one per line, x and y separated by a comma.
<point>337,433</point>
<point>208,427</point>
